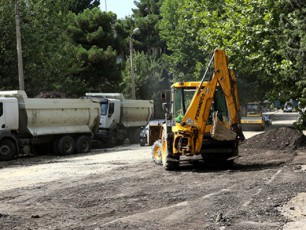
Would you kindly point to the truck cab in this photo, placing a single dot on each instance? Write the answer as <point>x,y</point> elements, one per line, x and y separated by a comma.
<point>110,112</point>
<point>121,118</point>
<point>9,116</point>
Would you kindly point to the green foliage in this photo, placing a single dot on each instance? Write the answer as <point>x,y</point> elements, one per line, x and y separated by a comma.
<point>293,45</point>
<point>46,59</point>
<point>95,48</point>
<point>151,78</point>
<point>73,47</point>
<point>193,29</point>
<point>293,27</point>
<point>185,57</point>
<point>49,63</point>
<point>146,17</point>
<point>8,54</point>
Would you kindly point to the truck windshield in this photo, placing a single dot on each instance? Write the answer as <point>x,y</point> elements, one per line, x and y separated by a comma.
<point>104,108</point>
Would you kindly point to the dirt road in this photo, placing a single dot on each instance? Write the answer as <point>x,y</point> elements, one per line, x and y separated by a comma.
<point>122,189</point>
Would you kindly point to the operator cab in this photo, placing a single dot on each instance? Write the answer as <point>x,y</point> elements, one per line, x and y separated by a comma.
<point>182,94</point>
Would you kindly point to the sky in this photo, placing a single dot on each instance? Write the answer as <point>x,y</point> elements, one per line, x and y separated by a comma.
<point>120,7</point>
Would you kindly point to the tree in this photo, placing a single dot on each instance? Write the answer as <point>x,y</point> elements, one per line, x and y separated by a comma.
<point>193,29</point>
<point>46,59</point>
<point>146,17</point>
<point>151,78</point>
<point>178,28</point>
<point>292,82</point>
<point>96,46</point>
<point>8,54</point>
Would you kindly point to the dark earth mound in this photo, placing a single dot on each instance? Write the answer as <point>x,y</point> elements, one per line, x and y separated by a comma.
<point>51,94</point>
<point>284,138</point>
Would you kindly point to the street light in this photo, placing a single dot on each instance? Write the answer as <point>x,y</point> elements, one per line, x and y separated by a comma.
<point>135,31</point>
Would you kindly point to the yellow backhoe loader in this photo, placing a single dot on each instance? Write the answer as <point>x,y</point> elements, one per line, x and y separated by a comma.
<point>203,118</point>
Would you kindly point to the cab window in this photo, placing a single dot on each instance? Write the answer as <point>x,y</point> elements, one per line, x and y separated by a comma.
<point>111,108</point>
<point>1,109</point>
<point>104,107</point>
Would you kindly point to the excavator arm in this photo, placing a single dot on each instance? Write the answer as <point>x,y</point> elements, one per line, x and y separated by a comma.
<point>198,111</point>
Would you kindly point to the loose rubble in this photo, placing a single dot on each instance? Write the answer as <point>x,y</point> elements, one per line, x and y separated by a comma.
<point>284,138</point>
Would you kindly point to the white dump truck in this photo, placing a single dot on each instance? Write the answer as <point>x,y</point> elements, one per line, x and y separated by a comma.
<point>60,126</point>
<point>121,118</point>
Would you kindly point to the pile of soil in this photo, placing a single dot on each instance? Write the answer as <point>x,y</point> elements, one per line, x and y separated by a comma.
<point>284,138</point>
<point>51,94</point>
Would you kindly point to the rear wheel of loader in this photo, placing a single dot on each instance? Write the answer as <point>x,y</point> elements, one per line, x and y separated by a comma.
<point>170,163</point>
<point>157,152</point>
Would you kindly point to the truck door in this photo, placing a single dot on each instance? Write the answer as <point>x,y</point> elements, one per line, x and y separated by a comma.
<point>110,113</point>
<point>9,116</point>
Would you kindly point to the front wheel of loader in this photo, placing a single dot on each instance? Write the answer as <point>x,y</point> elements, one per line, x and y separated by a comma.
<point>157,152</point>
<point>169,162</point>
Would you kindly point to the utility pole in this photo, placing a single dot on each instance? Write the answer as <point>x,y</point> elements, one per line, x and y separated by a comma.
<point>136,30</point>
<point>105,6</point>
<point>19,47</point>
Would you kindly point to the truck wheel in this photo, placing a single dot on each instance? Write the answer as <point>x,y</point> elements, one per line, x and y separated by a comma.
<point>66,145</point>
<point>157,152</point>
<point>134,135</point>
<point>54,147</point>
<point>8,150</point>
<point>112,140</point>
<point>83,144</point>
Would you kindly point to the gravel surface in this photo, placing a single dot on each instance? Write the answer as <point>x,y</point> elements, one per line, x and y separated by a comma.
<point>121,188</point>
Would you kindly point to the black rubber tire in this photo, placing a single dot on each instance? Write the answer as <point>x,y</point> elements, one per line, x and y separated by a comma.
<point>170,164</point>
<point>112,140</point>
<point>8,150</point>
<point>83,144</point>
<point>134,136</point>
<point>66,145</point>
<point>54,147</point>
<point>157,152</point>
